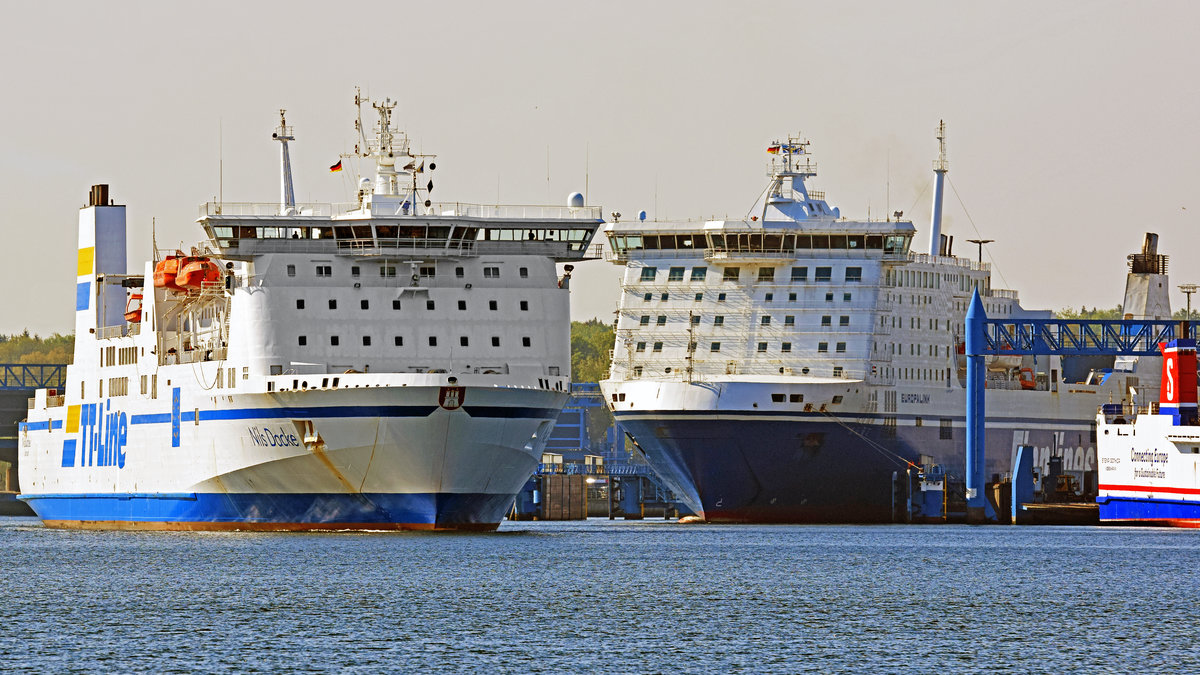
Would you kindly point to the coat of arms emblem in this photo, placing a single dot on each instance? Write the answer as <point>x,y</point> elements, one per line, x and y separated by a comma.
<point>451,398</point>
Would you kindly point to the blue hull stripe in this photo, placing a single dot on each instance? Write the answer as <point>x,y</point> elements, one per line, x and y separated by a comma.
<point>273,413</point>
<point>39,426</point>
<point>1141,508</point>
<point>438,509</point>
<point>501,411</point>
<point>651,415</point>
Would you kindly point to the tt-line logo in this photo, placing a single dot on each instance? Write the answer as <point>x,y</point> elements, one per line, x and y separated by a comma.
<point>103,434</point>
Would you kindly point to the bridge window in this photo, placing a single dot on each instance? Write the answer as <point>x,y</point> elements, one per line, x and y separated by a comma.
<point>429,271</point>
<point>355,271</point>
<point>765,320</point>
<point>492,305</point>
<point>647,297</point>
<point>823,274</point>
<point>432,340</point>
<point>526,342</point>
<point>826,321</point>
<point>366,340</point>
<point>333,303</point>
<point>661,320</point>
<point>823,347</point>
<point>641,347</point>
<point>299,303</point>
<point>799,274</point>
<point>389,271</point>
<point>841,347</point>
<point>524,305</point>
<point>398,341</point>
<point>658,347</point>
<point>430,305</point>
<point>648,273</point>
<point>462,305</point>
<point>786,347</point>
<point>766,274</point>
<point>364,304</point>
<point>644,320</point>
<point>291,270</point>
<point>324,270</point>
<point>495,341</point>
<point>698,273</point>
<point>762,347</point>
<point>731,274</point>
<point>333,340</point>
<point>302,340</point>
<point>395,304</point>
<point>491,272</point>
<point>789,321</point>
<point>464,342</point>
<point>524,272</point>
<point>675,274</point>
<point>843,321</point>
<point>714,347</point>
<point>695,320</point>
<point>718,321</point>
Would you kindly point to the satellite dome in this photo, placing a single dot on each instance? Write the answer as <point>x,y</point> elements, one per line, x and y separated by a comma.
<point>575,200</point>
<point>642,215</point>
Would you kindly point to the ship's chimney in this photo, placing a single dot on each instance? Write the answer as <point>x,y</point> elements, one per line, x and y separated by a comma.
<point>940,167</point>
<point>98,195</point>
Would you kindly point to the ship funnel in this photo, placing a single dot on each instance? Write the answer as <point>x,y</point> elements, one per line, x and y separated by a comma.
<point>1177,392</point>
<point>1146,284</point>
<point>940,167</point>
<point>98,196</point>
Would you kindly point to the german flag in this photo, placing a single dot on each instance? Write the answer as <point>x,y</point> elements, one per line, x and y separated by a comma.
<point>336,167</point>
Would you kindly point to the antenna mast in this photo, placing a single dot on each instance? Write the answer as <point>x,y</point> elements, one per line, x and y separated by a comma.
<point>940,166</point>
<point>287,196</point>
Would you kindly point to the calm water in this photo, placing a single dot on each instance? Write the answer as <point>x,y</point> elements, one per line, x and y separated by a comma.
<point>603,596</point>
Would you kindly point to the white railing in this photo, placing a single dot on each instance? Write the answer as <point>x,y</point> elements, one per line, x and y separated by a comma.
<point>123,330</point>
<point>458,209</point>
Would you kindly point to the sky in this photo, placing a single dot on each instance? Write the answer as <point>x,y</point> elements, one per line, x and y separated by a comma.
<point>1072,126</point>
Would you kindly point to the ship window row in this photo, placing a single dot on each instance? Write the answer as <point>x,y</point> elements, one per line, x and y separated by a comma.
<point>789,320</point>
<point>761,347</point>
<point>398,341</point>
<point>721,297</point>
<point>757,242</point>
<point>427,271</point>
<point>431,305</point>
<point>821,274</point>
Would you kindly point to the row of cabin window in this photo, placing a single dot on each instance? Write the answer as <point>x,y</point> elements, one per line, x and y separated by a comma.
<point>768,297</point>
<point>389,271</point>
<point>764,320</point>
<point>761,347</point>
<point>820,274</point>
<point>335,341</point>
<point>837,372</point>
<point>493,305</point>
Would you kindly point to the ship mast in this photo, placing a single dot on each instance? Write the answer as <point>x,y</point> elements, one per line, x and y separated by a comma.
<point>940,166</point>
<point>287,195</point>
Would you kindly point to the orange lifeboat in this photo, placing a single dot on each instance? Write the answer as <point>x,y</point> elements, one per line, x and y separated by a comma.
<point>195,271</point>
<point>166,272</point>
<point>133,308</point>
<point>1027,379</point>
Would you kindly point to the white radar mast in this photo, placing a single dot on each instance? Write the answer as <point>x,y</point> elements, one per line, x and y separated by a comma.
<point>287,195</point>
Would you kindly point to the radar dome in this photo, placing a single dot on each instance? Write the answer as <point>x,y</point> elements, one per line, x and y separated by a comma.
<point>575,200</point>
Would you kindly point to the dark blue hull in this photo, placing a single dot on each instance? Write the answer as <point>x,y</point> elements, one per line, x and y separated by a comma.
<point>272,511</point>
<point>763,468</point>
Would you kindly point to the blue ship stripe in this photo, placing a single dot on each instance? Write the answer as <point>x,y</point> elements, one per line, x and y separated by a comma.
<point>267,508</point>
<point>828,416</point>
<point>37,426</point>
<point>273,413</point>
<point>1145,508</point>
<point>510,413</point>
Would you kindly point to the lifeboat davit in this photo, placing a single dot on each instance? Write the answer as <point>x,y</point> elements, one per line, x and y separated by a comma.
<point>133,308</point>
<point>195,271</point>
<point>166,272</point>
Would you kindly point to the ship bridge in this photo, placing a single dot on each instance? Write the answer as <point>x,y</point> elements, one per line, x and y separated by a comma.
<point>452,229</point>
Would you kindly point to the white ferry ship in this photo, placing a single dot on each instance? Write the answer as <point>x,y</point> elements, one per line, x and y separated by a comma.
<point>780,368</point>
<point>1150,455</point>
<point>392,363</point>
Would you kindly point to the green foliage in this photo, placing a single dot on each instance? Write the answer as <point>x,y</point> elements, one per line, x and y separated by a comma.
<point>1083,313</point>
<point>590,343</point>
<point>26,348</point>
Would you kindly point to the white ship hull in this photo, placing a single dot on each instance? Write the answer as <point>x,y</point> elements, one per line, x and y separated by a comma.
<point>383,457</point>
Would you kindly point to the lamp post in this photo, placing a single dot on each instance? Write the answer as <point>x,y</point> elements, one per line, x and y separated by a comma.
<point>1188,289</point>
